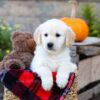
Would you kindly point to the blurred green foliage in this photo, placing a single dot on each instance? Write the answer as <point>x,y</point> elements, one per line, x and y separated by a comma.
<point>88,13</point>
<point>5,33</point>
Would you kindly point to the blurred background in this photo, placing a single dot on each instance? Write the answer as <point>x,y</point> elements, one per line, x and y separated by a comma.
<point>26,15</point>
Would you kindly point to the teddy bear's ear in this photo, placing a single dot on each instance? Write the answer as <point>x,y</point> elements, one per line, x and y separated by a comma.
<point>28,35</point>
<point>31,44</point>
<point>15,34</point>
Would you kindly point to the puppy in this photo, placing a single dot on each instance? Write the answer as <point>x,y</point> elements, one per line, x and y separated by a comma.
<point>52,53</point>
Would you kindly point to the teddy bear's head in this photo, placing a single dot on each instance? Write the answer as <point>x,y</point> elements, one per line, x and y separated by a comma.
<point>22,42</point>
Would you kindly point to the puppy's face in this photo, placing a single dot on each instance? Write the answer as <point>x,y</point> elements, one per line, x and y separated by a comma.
<point>53,35</point>
<point>53,38</point>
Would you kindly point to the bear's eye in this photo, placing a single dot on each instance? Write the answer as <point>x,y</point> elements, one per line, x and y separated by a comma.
<point>58,35</point>
<point>45,34</point>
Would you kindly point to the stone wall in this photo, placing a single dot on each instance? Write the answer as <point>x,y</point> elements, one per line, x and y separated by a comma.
<point>31,13</point>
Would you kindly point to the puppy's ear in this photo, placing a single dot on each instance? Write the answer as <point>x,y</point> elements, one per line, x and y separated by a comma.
<point>70,37</point>
<point>37,35</point>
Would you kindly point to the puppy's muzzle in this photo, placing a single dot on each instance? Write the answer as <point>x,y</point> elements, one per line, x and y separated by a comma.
<point>50,45</point>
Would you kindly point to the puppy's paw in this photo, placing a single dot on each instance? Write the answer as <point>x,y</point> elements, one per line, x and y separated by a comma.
<point>62,80</point>
<point>73,67</point>
<point>47,83</point>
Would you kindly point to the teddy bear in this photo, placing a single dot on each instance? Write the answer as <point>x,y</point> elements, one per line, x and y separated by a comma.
<point>23,47</point>
<point>22,53</point>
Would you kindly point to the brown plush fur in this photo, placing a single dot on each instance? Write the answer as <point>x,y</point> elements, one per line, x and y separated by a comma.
<point>22,53</point>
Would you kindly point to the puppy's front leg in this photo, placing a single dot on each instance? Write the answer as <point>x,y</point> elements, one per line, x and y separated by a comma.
<point>62,77</point>
<point>63,74</point>
<point>46,77</point>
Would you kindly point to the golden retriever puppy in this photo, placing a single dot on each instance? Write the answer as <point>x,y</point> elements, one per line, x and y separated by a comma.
<point>52,53</point>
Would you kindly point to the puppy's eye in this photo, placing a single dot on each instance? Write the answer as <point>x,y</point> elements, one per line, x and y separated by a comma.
<point>45,34</point>
<point>58,35</point>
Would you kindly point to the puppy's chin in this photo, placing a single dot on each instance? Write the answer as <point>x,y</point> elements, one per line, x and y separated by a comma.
<point>50,51</point>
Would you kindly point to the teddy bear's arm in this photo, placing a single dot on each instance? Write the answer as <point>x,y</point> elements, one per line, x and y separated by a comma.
<point>13,63</point>
<point>11,55</point>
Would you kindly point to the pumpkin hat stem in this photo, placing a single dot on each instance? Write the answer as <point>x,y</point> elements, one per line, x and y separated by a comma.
<point>74,4</point>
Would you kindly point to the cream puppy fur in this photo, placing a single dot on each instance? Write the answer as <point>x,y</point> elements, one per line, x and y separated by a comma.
<point>52,53</point>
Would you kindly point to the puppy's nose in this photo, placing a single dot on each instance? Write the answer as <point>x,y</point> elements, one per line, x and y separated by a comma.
<point>50,45</point>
